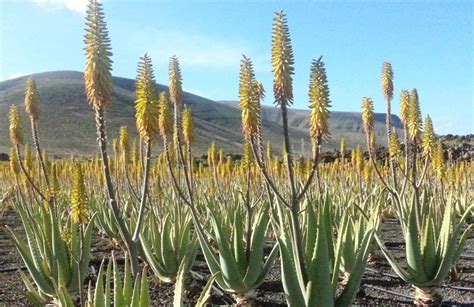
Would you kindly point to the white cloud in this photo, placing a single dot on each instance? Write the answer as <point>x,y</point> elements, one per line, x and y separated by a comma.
<point>77,6</point>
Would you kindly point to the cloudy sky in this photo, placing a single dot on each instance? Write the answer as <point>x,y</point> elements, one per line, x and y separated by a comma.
<point>429,43</point>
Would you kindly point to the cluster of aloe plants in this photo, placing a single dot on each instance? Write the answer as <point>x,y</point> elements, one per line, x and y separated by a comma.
<point>320,221</point>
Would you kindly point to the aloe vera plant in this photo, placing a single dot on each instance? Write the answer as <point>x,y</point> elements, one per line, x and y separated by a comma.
<point>50,257</point>
<point>170,247</point>
<point>242,268</point>
<point>121,291</point>
<point>323,257</point>
<point>432,248</point>
<point>169,241</point>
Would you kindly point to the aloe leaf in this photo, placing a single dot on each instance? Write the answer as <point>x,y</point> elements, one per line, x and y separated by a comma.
<point>108,280</point>
<point>228,265</point>
<point>339,247</point>
<point>350,290</point>
<point>238,242</point>
<point>32,295</point>
<point>144,293</point>
<point>414,258</point>
<point>127,282</point>
<point>60,251</point>
<point>29,227</point>
<point>255,263</point>
<point>429,248</point>
<point>43,283</point>
<point>155,265</point>
<point>266,268</point>
<point>393,262</point>
<point>184,239</point>
<point>319,289</point>
<point>206,291</point>
<point>294,294</point>
<point>310,233</point>
<point>99,299</point>
<point>167,252</point>
<point>136,293</point>
<point>179,285</point>
<point>208,254</point>
<point>118,291</point>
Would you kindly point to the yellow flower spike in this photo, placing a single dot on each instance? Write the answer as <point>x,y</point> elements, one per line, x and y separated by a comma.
<point>175,78</point>
<point>414,122</point>
<point>394,147</point>
<point>387,81</point>
<point>229,165</point>
<point>269,151</point>
<point>319,102</point>
<point>166,117</point>
<point>66,235</point>
<point>359,159</point>
<point>97,73</point>
<point>438,161</point>
<point>212,155</point>
<point>14,164</point>
<point>368,121</point>
<point>367,173</point>
<point>188,126</point>
<point>429,138</point>
<point>221,156</point>
<point>147,109</point>
<point>342,149</point>
<point>124,142</point>
<point>15,130</point>
<point>115,145</point>
<point>32,100</point>
<point>54,183</point>
<point>404,106</point>
<point>78,197</point>
<point>247,157</point>
<point>28,159</point>
<point>282,61</point>
<point>175,95</point>
<point>249,98</point>
<point>277,166</point>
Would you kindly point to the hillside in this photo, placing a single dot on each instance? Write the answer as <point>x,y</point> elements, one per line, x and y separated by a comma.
<point>67,121</point>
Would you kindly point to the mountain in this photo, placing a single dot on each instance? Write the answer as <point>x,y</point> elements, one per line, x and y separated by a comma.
<point>67,121</point>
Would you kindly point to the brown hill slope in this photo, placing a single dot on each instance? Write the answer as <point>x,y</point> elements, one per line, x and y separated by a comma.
<point>67,122</point>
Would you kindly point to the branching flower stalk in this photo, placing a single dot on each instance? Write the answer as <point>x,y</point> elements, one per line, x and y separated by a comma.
<point>80,217</point>
<point>32,109</point>
<point>98,85</point>
<point>16,138</point>
<point>188,135</point>
<point>319,104</point>
<point>250,93</point>
<point>415,126</point>
<point>147,114</point>
<point>387,90</point>
<point>176,98</point>
<point>404,110</point>
<point>124,145</point>
<point>282,67</point>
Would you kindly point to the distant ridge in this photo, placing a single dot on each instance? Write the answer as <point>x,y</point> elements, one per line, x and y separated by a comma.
<point>67,122</point>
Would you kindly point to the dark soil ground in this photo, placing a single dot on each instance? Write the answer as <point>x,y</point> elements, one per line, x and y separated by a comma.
<point>379,286</point>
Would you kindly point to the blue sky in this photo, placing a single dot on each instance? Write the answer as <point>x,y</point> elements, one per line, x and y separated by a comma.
<point>429,43</point>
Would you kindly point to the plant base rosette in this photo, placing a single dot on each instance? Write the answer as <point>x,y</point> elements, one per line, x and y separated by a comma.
<point>426,296</point>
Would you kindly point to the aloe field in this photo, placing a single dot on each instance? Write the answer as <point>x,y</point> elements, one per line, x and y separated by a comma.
<point>149,222</point>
